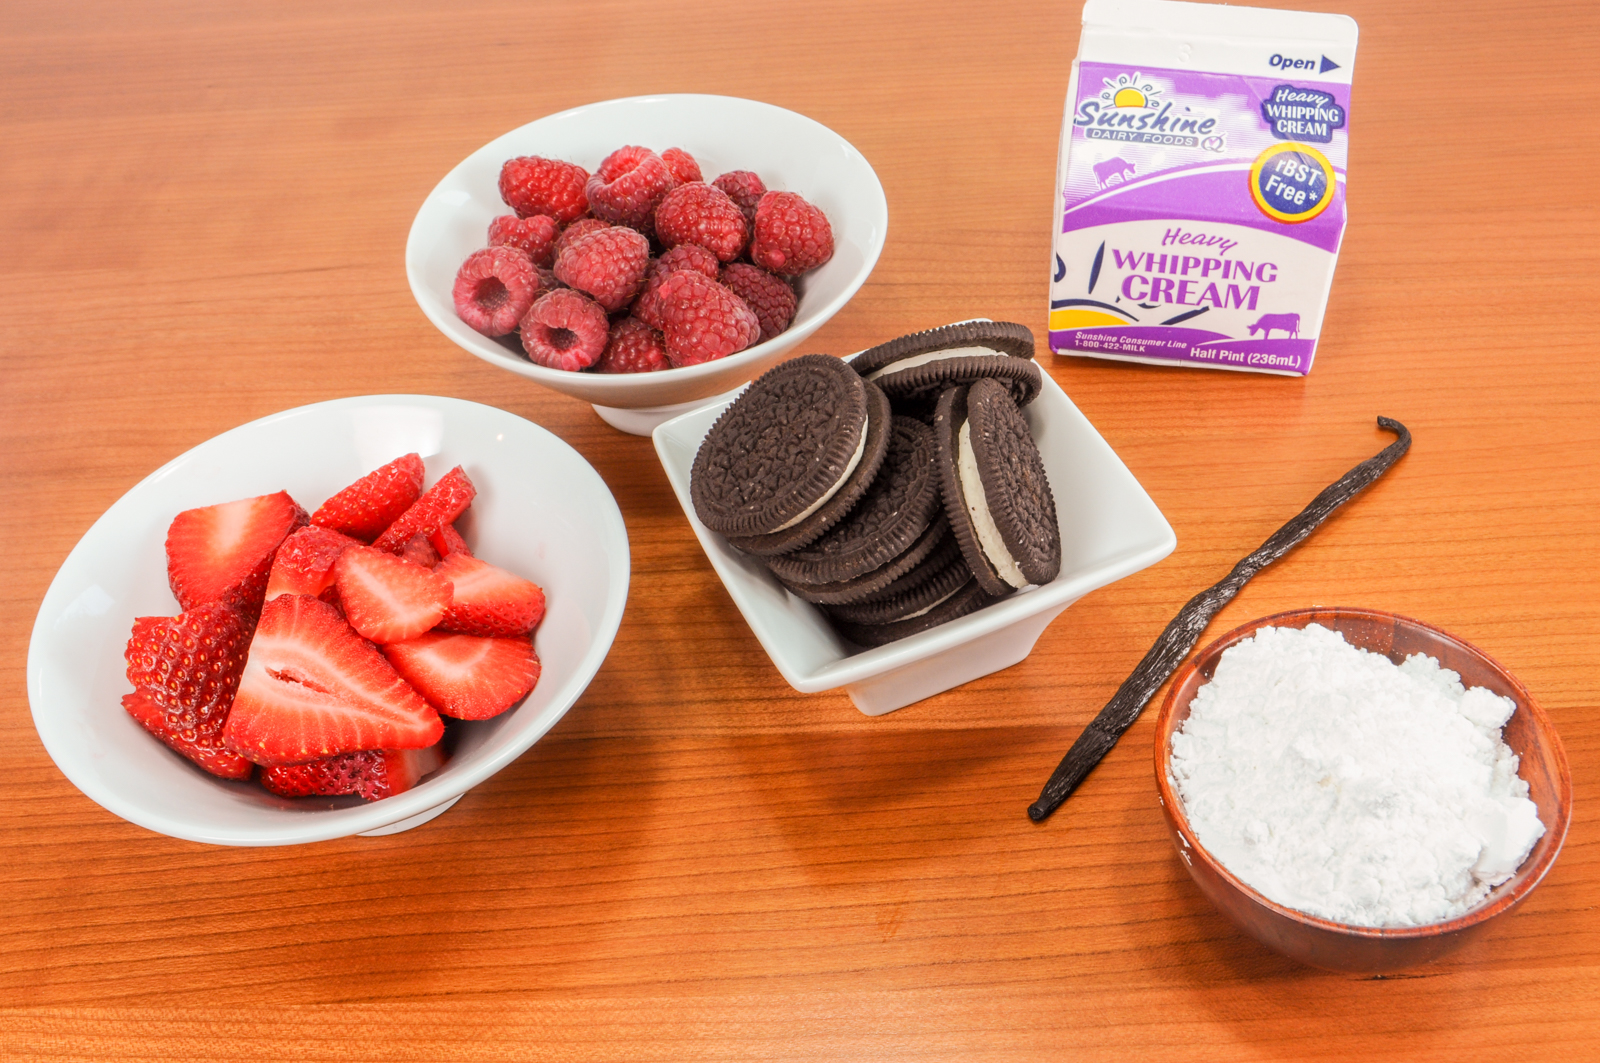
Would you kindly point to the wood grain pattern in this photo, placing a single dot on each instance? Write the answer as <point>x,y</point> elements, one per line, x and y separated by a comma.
<point>205,213</point>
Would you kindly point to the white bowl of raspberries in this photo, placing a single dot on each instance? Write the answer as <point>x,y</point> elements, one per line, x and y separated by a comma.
<point>646,254</point>
<point>332,621</point>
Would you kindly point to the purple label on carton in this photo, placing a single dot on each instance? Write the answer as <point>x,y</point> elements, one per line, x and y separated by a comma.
<point>1201,217</point>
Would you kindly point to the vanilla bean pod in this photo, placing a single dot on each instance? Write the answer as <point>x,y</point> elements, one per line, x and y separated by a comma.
<point>1185,629</point>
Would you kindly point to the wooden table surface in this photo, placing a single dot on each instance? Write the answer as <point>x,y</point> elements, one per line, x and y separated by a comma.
<point>203,219</point>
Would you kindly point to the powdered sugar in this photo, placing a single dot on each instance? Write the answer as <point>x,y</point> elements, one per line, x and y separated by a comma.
<point>1335,782</point>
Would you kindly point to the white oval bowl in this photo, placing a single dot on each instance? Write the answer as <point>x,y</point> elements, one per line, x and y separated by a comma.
<point>541,512</point>
<point>789,151</point>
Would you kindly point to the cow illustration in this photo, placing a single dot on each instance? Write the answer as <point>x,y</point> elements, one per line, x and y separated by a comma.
<point>1289,323</point>
<point>1114,170</point>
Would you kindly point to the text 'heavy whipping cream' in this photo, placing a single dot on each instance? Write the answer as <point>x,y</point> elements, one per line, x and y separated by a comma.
<point>1202,180</point>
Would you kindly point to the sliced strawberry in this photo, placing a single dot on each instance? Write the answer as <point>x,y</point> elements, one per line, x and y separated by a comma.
<point>372,503</point>
<point>444,502</point>
<point>387,598</point>
<point>223,553</point>
<point>372,773</point>
<point>312,688</point>
<point>448,541</point>
<point>465,676</point>
<point>489,601</point>
<point>304,563</point>
<point>420,551</point>
<point>407,767</point>
<point>203,746</point>
<point>347,773</point>
<point>188,666</point>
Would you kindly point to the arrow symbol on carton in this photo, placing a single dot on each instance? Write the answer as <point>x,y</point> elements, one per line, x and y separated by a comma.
<point>1327,65</point>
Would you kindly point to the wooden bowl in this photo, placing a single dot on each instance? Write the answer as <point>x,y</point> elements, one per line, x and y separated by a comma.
<point>1372,950</point>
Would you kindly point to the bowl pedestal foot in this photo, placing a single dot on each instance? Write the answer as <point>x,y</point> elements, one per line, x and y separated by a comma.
<point>411,821</point>
<point>643,421</point>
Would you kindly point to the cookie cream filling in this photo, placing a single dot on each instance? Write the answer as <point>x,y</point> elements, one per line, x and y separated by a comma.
<point>936,356</point>
<point>994,547</point>
<point>935,605</point>
<point>850,467</point>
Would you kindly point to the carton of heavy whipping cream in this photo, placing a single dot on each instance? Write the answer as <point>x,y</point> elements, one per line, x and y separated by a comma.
<point>1202,178</point>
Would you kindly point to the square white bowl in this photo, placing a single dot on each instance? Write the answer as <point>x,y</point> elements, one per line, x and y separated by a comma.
<point>1110,528</point>
<point>541,512</point>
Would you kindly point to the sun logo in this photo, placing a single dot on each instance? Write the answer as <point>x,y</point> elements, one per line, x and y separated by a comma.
<point>1130,90</point>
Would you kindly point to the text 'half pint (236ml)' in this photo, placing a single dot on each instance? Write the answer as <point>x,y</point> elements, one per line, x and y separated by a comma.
<point>1202,183</point>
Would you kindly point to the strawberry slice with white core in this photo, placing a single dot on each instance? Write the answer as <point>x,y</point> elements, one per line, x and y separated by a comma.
<point>387,598</point>
<point>373,502</point>
<point>444,502</point>
<point>465,676</point>
<point>489,601</point>
<point>372,773</point>
<point>314,688</point>
<point>304,563</point>
<point>223,553</point>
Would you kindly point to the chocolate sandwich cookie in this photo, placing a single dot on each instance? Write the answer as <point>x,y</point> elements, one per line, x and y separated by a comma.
<point>915,369</point>
<point>969,599</point>
<point>782,449</point>
<point>931,589</point>
<point>936,542</point>
<point>808,530</point>
<point>946,556</point>
<point>996,493</point>
<point>902,501</point>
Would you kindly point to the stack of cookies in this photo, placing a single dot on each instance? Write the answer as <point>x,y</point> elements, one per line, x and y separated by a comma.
<point>895,493</point>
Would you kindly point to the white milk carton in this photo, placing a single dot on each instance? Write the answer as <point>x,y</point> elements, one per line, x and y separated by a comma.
<point>1202,180</point>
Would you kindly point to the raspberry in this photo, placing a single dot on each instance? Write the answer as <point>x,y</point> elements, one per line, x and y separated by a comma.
<point>790,235</point>
<point>534,235</point>
<point>698,213</point>
<point>646,307</point>
<point>684,256</point>
<point>494,288</point>
<point>531,185</point>
<point>608,265</point>
<point>634,347</point>
<point>688,256</point>
<point>628,185</point>
<point>681,165</point>
<point>702,320</point>
<point>745,189</point>
<point>770,298</point>
<point>564,330</point>
<point>576,231</point>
